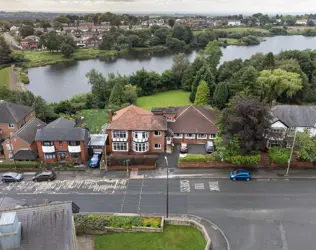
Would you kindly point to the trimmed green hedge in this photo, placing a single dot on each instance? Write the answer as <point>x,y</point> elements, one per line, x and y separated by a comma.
<point>279,155</point>
<point>245,159</point>
<point>20,164</point>
<point>99,222</point>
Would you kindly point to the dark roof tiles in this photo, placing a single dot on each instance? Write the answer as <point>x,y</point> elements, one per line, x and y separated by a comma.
<point>13,113</point>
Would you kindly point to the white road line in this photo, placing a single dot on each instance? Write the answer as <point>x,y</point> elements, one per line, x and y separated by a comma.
<point>123,200</point>
<point>185,186</point>
<point>199,186</point>
<point>140,197</point>
<point>213,186</point>
<point>284,241</point>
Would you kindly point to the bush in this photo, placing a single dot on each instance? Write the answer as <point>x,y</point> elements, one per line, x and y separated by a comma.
<point>24,79</point>
<point>279,155</point>
<point>245,159</point>
<point>20,164</point>
<point>193,158</point>
<point>151,222</point>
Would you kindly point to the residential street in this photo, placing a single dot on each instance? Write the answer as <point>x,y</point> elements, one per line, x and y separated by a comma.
<point>267,214</point>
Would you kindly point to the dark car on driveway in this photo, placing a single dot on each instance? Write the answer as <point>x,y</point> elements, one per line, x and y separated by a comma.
<point>209,147</point>
<point>183,148</point>
<point>44,176</point>
<point>12,177</point>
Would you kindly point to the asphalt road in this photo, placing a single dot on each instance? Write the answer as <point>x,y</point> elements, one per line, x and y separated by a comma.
<point>258,215</point>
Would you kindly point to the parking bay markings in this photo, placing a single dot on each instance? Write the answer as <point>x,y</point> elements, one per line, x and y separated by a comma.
<point>213,186</point>
<point>199,185</point>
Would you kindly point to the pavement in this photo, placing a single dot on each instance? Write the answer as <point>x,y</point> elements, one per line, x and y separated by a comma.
<point>267,214</point>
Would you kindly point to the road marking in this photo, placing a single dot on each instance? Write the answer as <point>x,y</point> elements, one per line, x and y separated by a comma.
<point>284,241</point>
<point>123,200</point>
<point>213,186</point>
<point>199,186</point>
<point>184,186</point>
<point>140,197</point>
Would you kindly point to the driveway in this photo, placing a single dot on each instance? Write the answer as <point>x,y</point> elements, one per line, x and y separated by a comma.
<point>196,149</point>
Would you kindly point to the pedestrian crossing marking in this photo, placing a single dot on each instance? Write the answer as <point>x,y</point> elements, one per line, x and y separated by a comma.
<point>213,186</point>
<point>199,186</point>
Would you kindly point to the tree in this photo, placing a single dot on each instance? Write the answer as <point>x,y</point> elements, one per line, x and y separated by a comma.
<point>246,118</point>
<point>269,61</point>
<point>5,52</point>
<point>180,65</point>
<point>305,147</point>
<point>168,80</point>
<point>130,93</point>
<point>273,83</point>
<point>250,40</point>
<point>57,25</point>
<point>220,96</point>
<point>4,24</point>
<point>117,97</point>
<point>189,74</point>
<point>309,32</point>
<point>148,83</point>
<point>182,33</point>
<point>161,34</point>
<point>202,94</point>
<point>278,31</point>
<point>174,43</point>
<point>27,30</point>
<point>67,50</point>
<point>212,53</point>
<point>62,19</point>
<point>228,68</point>
<point>107,42</point>
<point>135,40</point>
<point>171,22</point>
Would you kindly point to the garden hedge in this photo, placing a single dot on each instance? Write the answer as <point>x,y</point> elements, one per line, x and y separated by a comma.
<point>20,164</point>
<point>279,155</point>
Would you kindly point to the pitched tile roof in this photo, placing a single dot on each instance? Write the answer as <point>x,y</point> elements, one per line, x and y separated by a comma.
<point>13,113</point>
<point>135,118</point>
<point>194,119</point>
<point>28,131</point>
<point>46,227</point>
<point>61,123</point>
<point>295,115</point>
<point>61,134</point>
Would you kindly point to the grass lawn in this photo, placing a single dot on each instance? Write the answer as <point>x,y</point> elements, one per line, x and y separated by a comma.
<point>164,99</point>
<point>95,118</point>
<point>231,41</point>
<point>173,238</point>
<point>243,29</point>
<point>5,77</point>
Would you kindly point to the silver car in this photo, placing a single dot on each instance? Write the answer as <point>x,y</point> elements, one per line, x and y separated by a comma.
<point>12,177</point>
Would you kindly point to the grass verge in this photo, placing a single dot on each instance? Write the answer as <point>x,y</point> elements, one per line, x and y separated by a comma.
<point>173,238</point>
<point>94,118</point>
<point>164,99</point>
<point>5,77</point>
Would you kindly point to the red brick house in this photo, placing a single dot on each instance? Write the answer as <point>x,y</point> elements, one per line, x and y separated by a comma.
<point>21,146</point>
<point>190,124</point>
<point>30,42</point>
<point>133,130</point>
<point>13,117</point>
<point>61,141</point>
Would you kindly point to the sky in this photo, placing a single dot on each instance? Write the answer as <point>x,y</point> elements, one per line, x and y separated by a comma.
<point>168,6</point>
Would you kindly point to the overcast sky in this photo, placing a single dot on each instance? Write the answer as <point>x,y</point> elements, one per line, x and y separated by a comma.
<point>188,6</point>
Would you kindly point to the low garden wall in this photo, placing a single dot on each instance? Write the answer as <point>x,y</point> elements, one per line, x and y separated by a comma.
<point>214,165</point>
<point>188,222</point>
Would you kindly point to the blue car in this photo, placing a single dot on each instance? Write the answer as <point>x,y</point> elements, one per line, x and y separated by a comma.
<point>241,174</point>
<point>95,160</point>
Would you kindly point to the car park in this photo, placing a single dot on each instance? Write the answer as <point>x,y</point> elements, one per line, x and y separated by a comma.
<point>44,176</point>
<point>12,177</point>
<point>95,160</point>
<point>209,147</point>
<point>183,148</point>
<point>241,174</point>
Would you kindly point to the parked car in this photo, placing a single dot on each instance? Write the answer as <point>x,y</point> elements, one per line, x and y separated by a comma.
<point>95,160</point>
<point>44,176</point>
<point>240,174</point>
<point>183,148</point>
<point>209,147</point>
<point>12,177</point>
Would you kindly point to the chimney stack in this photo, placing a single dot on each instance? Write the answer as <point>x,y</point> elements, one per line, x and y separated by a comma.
<point>110,115</point>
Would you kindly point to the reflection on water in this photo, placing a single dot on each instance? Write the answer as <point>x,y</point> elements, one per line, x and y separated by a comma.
<point>62,81</point>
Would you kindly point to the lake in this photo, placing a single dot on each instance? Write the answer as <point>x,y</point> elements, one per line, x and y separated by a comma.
<point>61,81</point>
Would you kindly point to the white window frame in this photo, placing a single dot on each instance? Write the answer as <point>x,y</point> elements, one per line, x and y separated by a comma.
<point>212,136</point>
<point>114,146</point>
<point>140,147</point>
<point>11,125</point>
<point>158,133</point>
<point>169,119</point>
<point>189,137</point>
<point>144,134</point>
<point>159,146</point>
<point>202,136</point>
<point>119,134</point>
<point>178,136</point>
<point>49,156</point>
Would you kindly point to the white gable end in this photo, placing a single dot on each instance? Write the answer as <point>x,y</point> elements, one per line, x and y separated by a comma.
<point>278,124</point>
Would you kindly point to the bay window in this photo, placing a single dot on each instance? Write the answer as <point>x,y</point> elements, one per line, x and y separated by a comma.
<point>140,147</point>
<point>119,146</point>
<point>190,136</point>
<point>202,136</point>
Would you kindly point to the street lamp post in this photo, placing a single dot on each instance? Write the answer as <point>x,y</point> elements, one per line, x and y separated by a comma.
<point>167,202</point>
<point>289,162</point>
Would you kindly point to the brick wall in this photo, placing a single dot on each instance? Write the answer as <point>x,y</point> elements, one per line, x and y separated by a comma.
<point>17,144</point>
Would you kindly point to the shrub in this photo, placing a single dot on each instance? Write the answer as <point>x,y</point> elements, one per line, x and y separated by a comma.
<point>193,158</point>
<point>245,159</point>
<point>279,155</point>
<point>151,222</point>
<point>24,79</point>
<point>20,164</point>
<point>210,157</point>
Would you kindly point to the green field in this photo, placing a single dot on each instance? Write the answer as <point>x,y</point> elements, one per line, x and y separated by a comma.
<point>231,41</point>
<point>243,29</point>
<point>5,77</point>
<point>94,118</point>
<point>164,99</point>
<point>173,238</point>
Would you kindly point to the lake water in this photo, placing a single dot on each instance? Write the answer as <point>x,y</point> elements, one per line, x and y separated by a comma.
<point>62,81</point>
